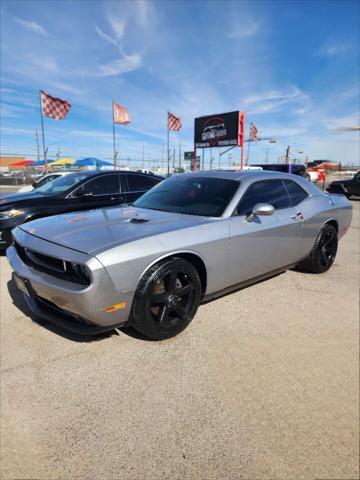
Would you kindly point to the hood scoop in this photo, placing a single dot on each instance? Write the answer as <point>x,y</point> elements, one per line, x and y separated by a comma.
<point>139,220</point>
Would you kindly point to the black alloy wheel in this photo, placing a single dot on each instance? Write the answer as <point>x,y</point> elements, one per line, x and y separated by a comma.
<point>167,299</point>
<point>324,251</point>
<point>328,247</point>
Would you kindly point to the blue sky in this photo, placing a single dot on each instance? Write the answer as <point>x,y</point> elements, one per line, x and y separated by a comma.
<point>292,66</point>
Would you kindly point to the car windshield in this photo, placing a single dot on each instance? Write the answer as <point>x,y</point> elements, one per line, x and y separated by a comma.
<point>191,195</point>
<point>61,184</point>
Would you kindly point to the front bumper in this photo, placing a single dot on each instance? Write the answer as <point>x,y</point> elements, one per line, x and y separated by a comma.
<point>72,306</point>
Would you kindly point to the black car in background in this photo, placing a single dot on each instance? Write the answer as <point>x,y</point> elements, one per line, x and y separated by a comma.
<point>294,168</point>
<point>349,187</point>
<point>77,191</point>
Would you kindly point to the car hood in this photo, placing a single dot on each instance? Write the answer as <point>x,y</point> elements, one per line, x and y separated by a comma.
<point>18,199</point>
<point>94,231</point>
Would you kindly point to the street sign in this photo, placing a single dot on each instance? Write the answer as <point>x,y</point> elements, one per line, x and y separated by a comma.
<point>189,157</point>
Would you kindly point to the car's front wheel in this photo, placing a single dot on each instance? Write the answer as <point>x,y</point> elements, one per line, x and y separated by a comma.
<point>166,299</point>
<point>324,251</point>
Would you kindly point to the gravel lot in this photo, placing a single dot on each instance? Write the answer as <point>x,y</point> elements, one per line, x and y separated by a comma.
<point>264,384</point>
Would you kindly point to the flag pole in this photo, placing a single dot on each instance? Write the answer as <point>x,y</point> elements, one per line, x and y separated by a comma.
<point>43,134</point>
<point>114,136</point>
<point>168,146</point>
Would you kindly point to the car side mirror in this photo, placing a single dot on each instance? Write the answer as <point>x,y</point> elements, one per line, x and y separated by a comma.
<point>261,209</point>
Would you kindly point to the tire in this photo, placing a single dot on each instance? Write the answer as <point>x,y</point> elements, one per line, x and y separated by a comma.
<point>166,299</point>
<point>324,251</point>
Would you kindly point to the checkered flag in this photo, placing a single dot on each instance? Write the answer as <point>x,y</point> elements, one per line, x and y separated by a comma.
<point>174,123</point>
<point>253,133</point>
<point>53,107</point>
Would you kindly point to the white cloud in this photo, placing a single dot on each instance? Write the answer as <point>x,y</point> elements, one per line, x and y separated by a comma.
<point>31,25</point>
<point>126,64</point>
<point>273,95</point>
<point>105,36</point>
<point>118,26</point>
<point>332,50</point>
<point>247,29</point>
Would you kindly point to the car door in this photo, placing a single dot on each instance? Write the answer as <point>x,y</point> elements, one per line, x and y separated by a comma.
<point>263,244</point>
<point>355,185</point>
<point>101,191</point>
<point>137,184</point>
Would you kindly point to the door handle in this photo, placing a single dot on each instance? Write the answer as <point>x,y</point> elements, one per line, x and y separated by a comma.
<point>297,216</point>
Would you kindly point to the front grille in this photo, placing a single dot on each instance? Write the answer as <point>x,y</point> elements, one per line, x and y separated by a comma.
<point>56,267</point>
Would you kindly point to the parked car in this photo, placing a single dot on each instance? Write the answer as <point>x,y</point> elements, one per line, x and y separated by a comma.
<point>191,238</point>
<point>294,168</point>
<point>41,181</point>
<point>347,187</point>
<point>76,191</point>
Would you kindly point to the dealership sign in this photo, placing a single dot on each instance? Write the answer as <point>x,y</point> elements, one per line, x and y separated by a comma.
<point>220,130</point>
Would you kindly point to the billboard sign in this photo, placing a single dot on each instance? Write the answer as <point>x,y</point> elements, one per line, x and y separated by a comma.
<point>220,130</point>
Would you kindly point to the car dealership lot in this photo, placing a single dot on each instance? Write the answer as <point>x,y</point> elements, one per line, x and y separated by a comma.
<point>263,384</point>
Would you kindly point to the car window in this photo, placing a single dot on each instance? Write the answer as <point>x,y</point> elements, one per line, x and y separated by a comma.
<point>266,191</point>
<point>46,179</point>
<point>61,184</point>
<point>140,183</point>
<point>103,185</point>
<point>190,195</point>
<point>297,194</point>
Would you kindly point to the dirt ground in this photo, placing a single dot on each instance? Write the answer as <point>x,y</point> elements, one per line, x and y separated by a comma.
<point>264,384</point>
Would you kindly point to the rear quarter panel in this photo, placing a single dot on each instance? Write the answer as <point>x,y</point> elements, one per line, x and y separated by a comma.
<point>320,209</point>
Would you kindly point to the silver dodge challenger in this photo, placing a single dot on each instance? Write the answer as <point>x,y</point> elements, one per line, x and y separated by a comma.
<point>189,239</point>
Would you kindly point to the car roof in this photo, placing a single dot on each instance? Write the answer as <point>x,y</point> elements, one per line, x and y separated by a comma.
<point>253,175</point>
<point>238,174</point>
<point>92,173</point>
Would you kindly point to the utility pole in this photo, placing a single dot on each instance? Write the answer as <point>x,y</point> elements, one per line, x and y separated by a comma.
<point>287,155</point>
<point>37,146</point>
<point>180,153</point>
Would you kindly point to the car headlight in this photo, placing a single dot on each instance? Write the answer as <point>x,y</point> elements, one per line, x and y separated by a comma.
<point>10,213</point>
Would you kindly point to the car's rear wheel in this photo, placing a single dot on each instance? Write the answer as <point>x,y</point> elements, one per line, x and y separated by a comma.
<point>324,251</point>
<point>166,299</point>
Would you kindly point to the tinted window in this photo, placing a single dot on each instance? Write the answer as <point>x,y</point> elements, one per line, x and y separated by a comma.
<point>61,184</point>
<point>104,185</point>
<point>267,191</point>
<point>297,194</point>
<point>46,179</point>
<point>191,195</point>
<point>140,183</point>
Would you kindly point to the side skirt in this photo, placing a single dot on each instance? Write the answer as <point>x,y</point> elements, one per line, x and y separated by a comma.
<point>247,283</point>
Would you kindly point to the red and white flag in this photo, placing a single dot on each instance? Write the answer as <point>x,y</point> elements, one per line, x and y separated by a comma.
<point>253,133</point>
<point>54,107</point>
<point>174,123</point>
<point>120,114</point>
